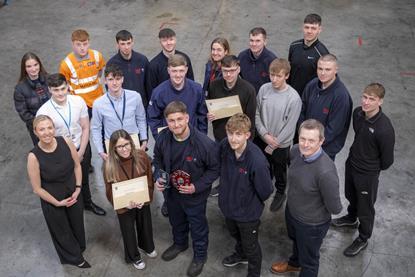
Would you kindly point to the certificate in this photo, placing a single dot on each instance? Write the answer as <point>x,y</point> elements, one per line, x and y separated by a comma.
<point>224,107</point>
<point>159,129</point>
<point>135,190</point>
<point>133,136</point>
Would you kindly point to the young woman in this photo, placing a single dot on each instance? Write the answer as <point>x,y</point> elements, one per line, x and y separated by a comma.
<point>125,162</point>
<point>219,48</point>
<point>55,174</point>
<point>31,91</point>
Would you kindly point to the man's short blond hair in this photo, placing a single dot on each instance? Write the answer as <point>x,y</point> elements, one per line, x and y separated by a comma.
<point>238,122</point>
<point>80,35</point>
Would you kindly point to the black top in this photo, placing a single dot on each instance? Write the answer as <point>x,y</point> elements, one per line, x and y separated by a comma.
<point>247,97</point>
<point>56,170</point>
<point>303,60</point>
<point>178,147</point>
<point>374,141</point>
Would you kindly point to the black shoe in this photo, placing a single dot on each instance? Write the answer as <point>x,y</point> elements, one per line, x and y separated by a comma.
<point>355,248</point>
<point>215,191</point>
<point>91,169</point>
<point>164,210</point>
<point>234,260</point>
<point>277,202</point>
<point>195,268</point>
<point>172,252</point>
<point>95,209</point>
<point>345,221</point>
<point>84,264</point>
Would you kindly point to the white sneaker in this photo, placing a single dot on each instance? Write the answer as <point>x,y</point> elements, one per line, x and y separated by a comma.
<point>139,265</point>
<point>152,254</point>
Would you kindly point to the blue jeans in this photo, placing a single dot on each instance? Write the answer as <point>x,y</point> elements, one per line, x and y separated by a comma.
<point>307,240</point>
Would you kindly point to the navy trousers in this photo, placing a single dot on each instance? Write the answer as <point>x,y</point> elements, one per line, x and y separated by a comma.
<point>307,240</point>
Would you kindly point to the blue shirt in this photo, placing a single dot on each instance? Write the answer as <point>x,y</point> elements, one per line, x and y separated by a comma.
<point>109,117</point>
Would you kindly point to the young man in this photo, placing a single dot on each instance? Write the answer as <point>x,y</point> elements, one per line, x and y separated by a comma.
<point>158,65</point>
<point>245,184</point>
<point>313,196</point>
<point>83,69</point>
<point>229,85</point>
<point>190,159</point>
<point>304,54</point>
<point>178,88</point>
<point>278,109</point>
<point>371,152</point>
<point>255,61</point>
<point>118,109</point>
<point>327,99</point>
<point>133,64</point>
<point>70,116</point>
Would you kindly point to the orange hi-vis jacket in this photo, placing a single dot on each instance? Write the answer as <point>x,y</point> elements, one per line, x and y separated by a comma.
<point>82,75</point>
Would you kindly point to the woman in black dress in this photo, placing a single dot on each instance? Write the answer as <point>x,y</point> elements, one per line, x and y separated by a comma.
<point>31,91</point>
<point>56,178</point>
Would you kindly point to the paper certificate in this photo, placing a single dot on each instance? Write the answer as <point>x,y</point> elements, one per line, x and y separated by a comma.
<point>159,129</point>
<point>135,190</point>
<point>135,138</point>
<point>224,107</point>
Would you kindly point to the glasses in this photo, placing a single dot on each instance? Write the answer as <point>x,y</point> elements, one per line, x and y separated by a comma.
<point>123,146</point>
<point>229,71</point>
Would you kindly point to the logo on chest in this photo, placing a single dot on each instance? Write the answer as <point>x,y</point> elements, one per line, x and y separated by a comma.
<point>371,130</point>
<point>139,70</point>
<point>243,171</point>
<point>326,110</point>
<point>190,159</point>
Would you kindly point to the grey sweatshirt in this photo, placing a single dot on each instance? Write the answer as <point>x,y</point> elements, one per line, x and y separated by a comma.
<point>277,113</point>
<point>313,189</point>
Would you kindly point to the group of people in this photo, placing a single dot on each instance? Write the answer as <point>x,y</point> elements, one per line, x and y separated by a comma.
<point>283,101</point>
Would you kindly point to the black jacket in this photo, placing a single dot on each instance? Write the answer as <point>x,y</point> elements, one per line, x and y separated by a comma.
<point>245,183</point>
<point>374,141</point>
<point>199,159</point>
<point>29,96</point>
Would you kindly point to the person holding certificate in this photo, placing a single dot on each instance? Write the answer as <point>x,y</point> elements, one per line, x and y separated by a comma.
<point>126,162</point>
<point>55,174</point>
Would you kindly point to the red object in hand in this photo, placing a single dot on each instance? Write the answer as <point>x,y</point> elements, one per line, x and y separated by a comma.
<point>180,178</point>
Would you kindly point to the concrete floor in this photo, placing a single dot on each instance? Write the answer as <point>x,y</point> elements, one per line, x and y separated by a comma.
<point>386,55</point>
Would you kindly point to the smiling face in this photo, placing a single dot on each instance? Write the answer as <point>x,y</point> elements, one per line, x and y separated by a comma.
<point>59,94</point>
<point>168,44</point>
<point>177,75</point>
<point>309,141</point>
<point>45,131</point>
<point>218,52</point>
<point>80,48</point>
<point>114,84</point>
<point>326,72</point>
<point>178,124</point>
<point>125,47</point>
<point>123,148</point>
<point>238,140</point>
<point>257,44</point>
<point>32,69</point>
<point>311,32</point>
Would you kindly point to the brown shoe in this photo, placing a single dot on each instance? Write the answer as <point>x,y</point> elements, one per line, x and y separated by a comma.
<point>283,267</point>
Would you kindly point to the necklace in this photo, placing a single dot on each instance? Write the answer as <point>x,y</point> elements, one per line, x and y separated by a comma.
<point>48,148</point>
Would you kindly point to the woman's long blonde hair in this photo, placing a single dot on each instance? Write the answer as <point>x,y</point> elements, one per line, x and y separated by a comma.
<point>112,165</point>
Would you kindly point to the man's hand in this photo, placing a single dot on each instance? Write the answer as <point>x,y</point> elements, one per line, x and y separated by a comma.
<point>143,145</point>
<point>159,184</point>
<point>271,140</point>
<point>81,155</point>
<point>210,116</point>
<point>190,189</point>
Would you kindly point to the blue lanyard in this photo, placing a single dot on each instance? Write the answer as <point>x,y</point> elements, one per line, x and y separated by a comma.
<point>67,123</point>
<point>121,119</point>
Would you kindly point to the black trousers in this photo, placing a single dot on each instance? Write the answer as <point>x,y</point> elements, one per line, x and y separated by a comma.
<point>66,227</point>
<point>247,245</point>
<point>361,191</point>
<point>307,240</point>
<point>136,230</point>
<point>278,161</point>
<point>184,217</point>
<point>85,164</point>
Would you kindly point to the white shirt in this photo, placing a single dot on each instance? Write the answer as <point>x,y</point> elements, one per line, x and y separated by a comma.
<point>66,117</point>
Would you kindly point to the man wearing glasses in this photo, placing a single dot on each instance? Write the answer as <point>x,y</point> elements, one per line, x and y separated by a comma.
<point>229,85</point>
